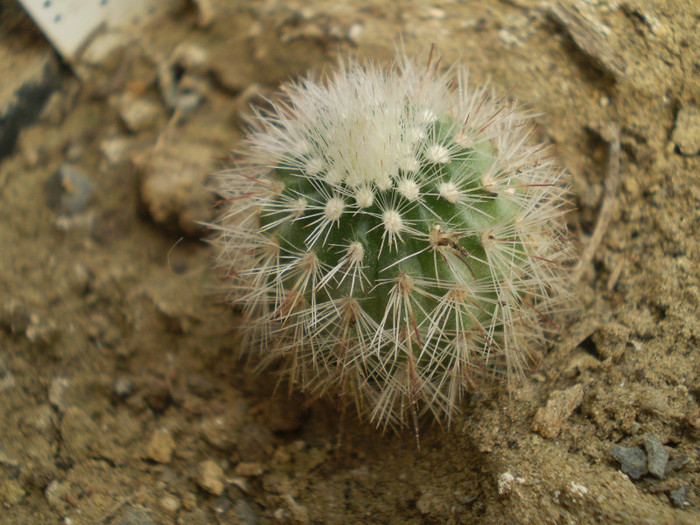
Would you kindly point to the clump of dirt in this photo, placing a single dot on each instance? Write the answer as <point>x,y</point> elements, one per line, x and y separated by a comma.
<point>121,397</point>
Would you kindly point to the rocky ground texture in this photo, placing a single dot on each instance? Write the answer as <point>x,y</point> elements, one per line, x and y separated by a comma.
<point>121,399</point>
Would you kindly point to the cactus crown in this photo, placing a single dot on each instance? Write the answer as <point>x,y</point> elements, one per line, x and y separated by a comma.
<point>391,235</point>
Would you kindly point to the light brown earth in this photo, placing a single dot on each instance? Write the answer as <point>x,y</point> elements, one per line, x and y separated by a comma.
<point>121,400</point>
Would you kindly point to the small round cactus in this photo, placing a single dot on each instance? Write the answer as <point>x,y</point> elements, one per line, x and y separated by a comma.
<point>391,235</point>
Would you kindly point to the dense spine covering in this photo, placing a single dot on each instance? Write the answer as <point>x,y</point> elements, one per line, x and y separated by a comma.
<point>392,234</point>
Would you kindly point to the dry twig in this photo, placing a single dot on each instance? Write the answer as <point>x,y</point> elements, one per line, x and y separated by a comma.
<point>611,134</point>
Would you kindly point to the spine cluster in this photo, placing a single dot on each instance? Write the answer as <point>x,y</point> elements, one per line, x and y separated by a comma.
<point>392,235</point>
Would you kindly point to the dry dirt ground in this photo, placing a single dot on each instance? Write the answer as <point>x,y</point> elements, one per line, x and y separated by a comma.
<point>121,400</point>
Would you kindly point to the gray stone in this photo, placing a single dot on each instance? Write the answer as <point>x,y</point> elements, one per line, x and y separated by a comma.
<point>123,386</point>
<point>633,460</point>
<point>57,390</point>
<point>69,190</point>
<point>677,462</point>
<point>679,497</point>
<point>657,455</point>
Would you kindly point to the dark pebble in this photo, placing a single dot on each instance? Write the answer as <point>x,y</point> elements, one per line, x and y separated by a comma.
<point>657,455</point>
<point>679,497</point>
<point>633,460</point>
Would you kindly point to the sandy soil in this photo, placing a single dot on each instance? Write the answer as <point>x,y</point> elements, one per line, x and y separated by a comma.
<point>121,400</point>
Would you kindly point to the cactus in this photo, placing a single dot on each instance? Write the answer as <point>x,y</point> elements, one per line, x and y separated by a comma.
<point>392,235</point>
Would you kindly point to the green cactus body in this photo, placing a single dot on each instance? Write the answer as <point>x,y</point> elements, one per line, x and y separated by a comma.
<point>397,247</point>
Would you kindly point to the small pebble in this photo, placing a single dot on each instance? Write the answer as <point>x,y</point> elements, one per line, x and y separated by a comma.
<point>677,462</point>
<point>211,477</point>
<point>114,150</point>
<point>240,483</point>
<point>56,494</point>
<point>184,92</point>
<point>205,13</point>
<point>686,134</point>
<point>161,446</point>
<point>633,460</point>
<point>123,386</point>
<point>355,32</point>
<point>169,503</point>
<point>507,482</point>
<point>657,455</point>
<point>435,13</point>
<point>173,187</point>
<point>679,497</point>
<point>191,57</point>
<point>69,190</point>
<point>138,113</point>
<point>189,500</point>
<point>249,469</point>
<point>298,511</point>
<point>427,503</point>
<point>577,490</point>
<point>41,332</point>
<point>507,37</point>
<point>57,390</point>
<point>80,278</point>
<point>562,403</point>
